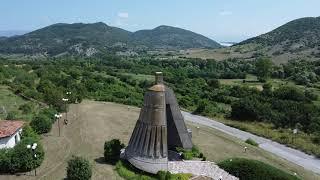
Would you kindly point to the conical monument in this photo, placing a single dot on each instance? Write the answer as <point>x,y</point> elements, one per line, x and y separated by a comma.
<point>160,127</point>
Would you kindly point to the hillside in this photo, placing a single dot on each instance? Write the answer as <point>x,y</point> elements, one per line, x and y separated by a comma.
<point>297,39</point>
<point>89,39</point>
<point>173,38</point>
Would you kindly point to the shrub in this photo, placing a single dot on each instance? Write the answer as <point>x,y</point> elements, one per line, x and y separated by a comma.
<point>161,175</point>
<point>252,169</point>
<point>252,142</point>
<point>41,124</point>
<point>214,83</point>
<point>127,171</point>
<point>27,131</point>
<point>190,154</point>
<point>21,159</point>
<point>5,160</point>
<point>79,169</point>
<point>187,155</point>
<point>112,150</point>
<point>316,139</point>
<point>49,113</point>
<point>12,115</point>
<point>26,108</point>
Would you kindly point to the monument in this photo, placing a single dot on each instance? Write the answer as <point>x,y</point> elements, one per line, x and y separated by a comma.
<point>160,127</point>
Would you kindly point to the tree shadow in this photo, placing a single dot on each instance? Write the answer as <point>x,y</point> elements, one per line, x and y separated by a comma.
<point>101,160</point>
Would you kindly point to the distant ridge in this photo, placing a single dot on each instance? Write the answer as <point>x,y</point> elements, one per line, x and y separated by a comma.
<point>173,37</point>
<point>297,39</point>
<point>89,39</point>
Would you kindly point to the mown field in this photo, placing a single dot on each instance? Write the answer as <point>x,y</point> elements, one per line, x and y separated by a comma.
<point>92,123</point>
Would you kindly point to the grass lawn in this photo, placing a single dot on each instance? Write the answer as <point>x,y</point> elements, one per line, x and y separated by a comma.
<point>92,123</point>
<point>9,102</point>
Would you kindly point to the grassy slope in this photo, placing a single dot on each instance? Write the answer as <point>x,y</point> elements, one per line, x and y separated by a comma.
<point>11,102</point>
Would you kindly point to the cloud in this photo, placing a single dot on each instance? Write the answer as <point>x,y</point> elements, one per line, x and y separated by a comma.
<point>123,15</point>
<point>225,13</point>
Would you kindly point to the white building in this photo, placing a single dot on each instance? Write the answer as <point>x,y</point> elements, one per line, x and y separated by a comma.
<point>10,133</point>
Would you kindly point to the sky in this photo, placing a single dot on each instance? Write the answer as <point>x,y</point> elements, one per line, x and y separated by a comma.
<point>221,20</point>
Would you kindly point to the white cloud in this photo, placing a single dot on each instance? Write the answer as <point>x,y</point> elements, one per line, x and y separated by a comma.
<point>123,15</point>
<point>225,13</point>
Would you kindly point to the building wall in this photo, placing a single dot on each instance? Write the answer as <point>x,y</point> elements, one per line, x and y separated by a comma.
<point>10,142</point>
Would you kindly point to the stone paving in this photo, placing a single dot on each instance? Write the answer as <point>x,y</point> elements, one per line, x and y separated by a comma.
<point>200,168</point>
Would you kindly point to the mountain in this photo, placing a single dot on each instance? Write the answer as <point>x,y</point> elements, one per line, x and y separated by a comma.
<point>304,32</point>
<point>65,38</point>
<point>2,38</point>
<point>168,37</point>
<point>88,39</point>
<point>297,39</point>
<point>10,33</point>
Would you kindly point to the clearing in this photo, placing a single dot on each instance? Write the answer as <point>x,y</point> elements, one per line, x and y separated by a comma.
<point>91,123</point>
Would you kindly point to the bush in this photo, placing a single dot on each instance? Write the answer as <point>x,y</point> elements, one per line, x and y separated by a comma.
<point>252,142</point>
<point>5,160</point>
<point>252,169</point>
<point>129,172</point>
<point>21,159</point>
<point>79,169</point>
<point>112,150</point>
<point>26,108</point>
<point>190,154</point>
<point>41,124</point>
<point>27,131</point>
<point>12,115</point>
<point>162,175</point>
<point>49,113</point>
<point>187,155</point>
<point>123,171</point>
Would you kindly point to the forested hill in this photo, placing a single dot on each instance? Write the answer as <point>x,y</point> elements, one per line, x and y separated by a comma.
<point>88,39</point>
<point>304,32</point>
<point>173,37</point>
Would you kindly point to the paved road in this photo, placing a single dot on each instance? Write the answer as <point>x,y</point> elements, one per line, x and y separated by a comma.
<point>307,161</point>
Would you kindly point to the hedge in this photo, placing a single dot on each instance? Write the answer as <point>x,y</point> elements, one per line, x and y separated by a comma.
<point>251,142</point>
<point>247,169</point>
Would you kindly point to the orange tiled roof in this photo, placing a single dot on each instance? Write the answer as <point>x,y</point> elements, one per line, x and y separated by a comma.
<point>8,128</point>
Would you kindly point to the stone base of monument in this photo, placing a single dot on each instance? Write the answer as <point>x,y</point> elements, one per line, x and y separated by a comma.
<point>200,168</point>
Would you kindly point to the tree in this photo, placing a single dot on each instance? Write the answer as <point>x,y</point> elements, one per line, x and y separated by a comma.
<point>112,150</point>
<point>263,69</point>
<point>201,107</point>
<point>26,108</point>
<point>41,124</point>
<point>20,158</point>
<point>79,168</point>
<point>214,83</point>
